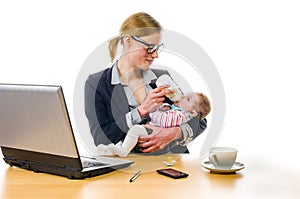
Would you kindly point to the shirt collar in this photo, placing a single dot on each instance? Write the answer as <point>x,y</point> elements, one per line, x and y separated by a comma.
<point>148,75</point>
<point>176,108</point>
<point>115,78</point>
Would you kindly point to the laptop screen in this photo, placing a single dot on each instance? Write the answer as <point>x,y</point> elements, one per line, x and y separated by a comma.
<point>35,118</point>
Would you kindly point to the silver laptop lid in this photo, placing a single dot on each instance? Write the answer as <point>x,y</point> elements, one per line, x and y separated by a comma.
<point>35,118</point>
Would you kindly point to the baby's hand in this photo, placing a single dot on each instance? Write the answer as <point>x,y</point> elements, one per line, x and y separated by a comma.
<point>165,107</point>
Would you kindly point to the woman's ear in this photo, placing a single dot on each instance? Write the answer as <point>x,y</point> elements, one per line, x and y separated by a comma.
<point>194,113</point>
<point>127,40</point>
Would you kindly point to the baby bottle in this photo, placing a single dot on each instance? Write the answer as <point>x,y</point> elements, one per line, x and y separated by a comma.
<point>166,79</point>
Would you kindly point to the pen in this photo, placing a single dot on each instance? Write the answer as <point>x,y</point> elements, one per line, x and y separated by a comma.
<point>135,176</point>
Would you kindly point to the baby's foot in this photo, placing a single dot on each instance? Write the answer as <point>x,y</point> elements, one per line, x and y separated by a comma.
<point>118,150</point>
<point>105,150</point>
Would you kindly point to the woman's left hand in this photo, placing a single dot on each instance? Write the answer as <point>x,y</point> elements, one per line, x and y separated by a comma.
<point>159,138</point>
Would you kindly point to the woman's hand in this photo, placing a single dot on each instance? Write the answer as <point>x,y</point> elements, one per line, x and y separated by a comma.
<point>159,139</point>
<point>153,100</point>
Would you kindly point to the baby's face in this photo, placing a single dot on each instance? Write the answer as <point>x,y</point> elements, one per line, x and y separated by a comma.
<point>188,102</point>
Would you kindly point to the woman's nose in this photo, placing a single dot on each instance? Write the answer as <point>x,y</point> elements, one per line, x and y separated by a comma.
<point>155,54</point>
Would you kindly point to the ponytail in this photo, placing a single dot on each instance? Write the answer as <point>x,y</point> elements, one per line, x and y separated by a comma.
<point>113,47</point>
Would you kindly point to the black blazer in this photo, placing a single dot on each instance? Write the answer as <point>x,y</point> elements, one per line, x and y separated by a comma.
<point>106,107</point>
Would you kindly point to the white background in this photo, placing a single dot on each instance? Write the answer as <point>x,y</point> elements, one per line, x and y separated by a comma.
<point>255,46</point>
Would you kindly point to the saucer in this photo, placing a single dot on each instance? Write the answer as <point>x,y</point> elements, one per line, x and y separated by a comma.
<point>236,167</point>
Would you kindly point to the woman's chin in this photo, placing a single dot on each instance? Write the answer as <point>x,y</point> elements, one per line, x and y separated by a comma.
<point>145,66</point>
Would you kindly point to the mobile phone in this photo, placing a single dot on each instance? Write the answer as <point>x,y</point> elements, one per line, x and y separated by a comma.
<point>172,173</point>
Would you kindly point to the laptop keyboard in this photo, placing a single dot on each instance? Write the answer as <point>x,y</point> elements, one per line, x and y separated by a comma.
<point>86,164</point>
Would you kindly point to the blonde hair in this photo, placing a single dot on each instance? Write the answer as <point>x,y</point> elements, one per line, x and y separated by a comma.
<point>139,24</point>
<point>204,105</point>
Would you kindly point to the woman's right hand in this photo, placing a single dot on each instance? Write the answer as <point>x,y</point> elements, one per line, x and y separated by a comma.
<point>153,100</point>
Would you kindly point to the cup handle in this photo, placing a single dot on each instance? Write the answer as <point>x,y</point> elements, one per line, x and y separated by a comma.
<point>213,159</point>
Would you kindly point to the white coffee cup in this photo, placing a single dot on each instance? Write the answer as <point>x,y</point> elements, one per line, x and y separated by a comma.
<point>222,157</point>
<point>166,79</point>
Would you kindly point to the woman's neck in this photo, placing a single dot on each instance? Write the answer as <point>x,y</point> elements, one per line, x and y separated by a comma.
<point>133,77</point>
<point>128,71</point>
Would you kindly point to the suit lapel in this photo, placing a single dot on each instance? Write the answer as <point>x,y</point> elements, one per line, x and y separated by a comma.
<point>119,103</point>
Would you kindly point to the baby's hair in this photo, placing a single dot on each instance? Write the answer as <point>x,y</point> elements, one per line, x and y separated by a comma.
<point>204,105</point>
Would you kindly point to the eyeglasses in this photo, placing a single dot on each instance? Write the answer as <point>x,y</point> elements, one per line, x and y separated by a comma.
<point>151,48</point>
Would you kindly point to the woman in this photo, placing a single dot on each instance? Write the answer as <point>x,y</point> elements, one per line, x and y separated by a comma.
<point>123,95</point>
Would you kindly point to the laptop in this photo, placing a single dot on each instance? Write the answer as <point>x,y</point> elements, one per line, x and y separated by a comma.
<point>36,134</point>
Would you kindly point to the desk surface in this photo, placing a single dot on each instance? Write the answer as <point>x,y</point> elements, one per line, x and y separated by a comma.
<point>255,181</point>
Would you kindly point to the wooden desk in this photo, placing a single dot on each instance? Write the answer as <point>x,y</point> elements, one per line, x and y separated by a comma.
<point>265,181</point>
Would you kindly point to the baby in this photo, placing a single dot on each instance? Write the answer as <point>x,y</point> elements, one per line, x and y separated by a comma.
<point>166,116</point>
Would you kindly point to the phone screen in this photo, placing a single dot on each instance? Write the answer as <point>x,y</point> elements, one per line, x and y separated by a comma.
<point>172,173</point>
